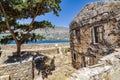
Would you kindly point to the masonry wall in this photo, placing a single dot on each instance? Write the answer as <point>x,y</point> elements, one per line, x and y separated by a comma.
<point>87,48</point>
<point>96,18</point>
<point>107,69</point>
<point>27,70</point>
<point>51,49</point>
<point>17,71</point>
<point>34,46</point>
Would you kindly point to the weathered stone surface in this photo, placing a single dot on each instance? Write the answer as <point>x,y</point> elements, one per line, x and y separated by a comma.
<point>107,69</point>
<point>50,49</point>
<point>33,47</point>
<point>94,33</point>
<point>63,67</point>
<point>17,71</point>
<point>43,66</point>
<point>5,77</point>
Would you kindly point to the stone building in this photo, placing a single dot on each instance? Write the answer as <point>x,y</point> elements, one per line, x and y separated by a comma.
<point>94,33</point>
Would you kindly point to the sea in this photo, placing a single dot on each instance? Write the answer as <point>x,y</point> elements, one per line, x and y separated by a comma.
<point>44,42</point>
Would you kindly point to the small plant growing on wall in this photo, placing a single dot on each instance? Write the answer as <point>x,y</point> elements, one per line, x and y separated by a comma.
<point>67,50</point>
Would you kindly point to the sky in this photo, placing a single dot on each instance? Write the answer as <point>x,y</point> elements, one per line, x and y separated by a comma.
<point>70,8</point>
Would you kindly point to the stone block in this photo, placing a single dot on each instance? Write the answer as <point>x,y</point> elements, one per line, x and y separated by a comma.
<point>5,77</point>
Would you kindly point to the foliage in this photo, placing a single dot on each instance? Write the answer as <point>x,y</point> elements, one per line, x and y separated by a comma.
<point>67,50</point>
<point>14,11</point>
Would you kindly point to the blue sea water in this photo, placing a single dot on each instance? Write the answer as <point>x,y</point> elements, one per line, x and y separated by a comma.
<point>44,42</point>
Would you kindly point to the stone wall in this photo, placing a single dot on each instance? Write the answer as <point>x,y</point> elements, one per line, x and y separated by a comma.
<point>108,68</point>
<point>27,67</point>
<point>43,48</point>
<point>94,33</point>
<point>40,68</point>
<point>33,46</point>
<point>50,49</point>
<point>17,71</point>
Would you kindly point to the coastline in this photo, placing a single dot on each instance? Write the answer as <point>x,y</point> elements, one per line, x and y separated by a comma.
<point>44,42</point>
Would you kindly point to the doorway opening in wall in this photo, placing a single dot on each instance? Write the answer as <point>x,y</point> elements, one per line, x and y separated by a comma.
<point>74,56</point>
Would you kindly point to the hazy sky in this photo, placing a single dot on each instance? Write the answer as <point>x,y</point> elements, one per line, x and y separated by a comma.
<point>70,8</point>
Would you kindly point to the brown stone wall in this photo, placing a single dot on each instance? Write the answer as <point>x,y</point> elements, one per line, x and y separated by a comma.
<point>94,33</point>
<point>87,46</point>
<point>107,69</point>
<point>17,71</point>
<point>85,41</point>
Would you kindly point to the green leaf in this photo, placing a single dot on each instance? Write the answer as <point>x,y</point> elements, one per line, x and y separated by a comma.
<point>6,39</point>
<point>23,9</point>
<point>42,24</point>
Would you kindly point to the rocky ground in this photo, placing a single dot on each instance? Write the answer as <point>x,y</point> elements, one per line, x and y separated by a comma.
<point>63,68</point>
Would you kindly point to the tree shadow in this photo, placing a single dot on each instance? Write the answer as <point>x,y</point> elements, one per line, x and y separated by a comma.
<point>22,57</point>
<point>42,63</point>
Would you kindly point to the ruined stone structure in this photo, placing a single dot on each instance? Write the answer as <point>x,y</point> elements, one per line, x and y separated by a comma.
<point>94,32</point>
<point>37,62</point>
<point>17,71</point>
<point>107,69</point>
<point>28,67</point>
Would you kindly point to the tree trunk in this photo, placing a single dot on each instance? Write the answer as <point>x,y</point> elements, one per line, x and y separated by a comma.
<point>18,52</point>
<point>18,49</point>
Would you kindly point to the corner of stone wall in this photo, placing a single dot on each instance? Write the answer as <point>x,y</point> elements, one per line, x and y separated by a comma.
<point>17,71</point>
<point>106,69</point>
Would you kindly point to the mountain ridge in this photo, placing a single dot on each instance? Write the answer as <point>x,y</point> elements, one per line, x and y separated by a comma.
<point>56,33</point>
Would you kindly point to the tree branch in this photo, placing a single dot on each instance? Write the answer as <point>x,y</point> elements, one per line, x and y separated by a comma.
<point>31,25</point>
<point>7,23</point>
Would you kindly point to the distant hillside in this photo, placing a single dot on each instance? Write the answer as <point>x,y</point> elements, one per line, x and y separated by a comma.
<point>57,33</point>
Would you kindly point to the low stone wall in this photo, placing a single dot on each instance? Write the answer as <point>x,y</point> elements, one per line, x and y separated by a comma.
<point>17,71</point>
<point>29,70</point>
<point>43,48</point>
<point>50,49</point>
<point>33,46</point>
<point>108,68</point>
